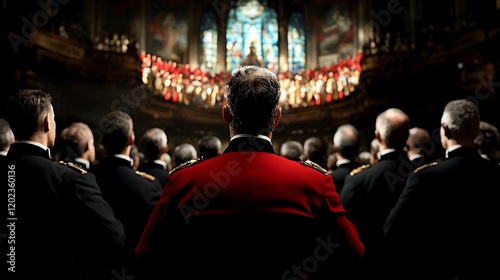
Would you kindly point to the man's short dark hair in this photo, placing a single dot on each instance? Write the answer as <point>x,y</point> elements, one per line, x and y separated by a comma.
<point>252,99</point>
<point>209,146</point>
<point>116,128</point>
<point>488,138</point>
<point>24,110</point>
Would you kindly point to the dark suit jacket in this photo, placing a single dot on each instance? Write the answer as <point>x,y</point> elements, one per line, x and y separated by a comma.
<point>63,227</point>
<point>369,196</point>
<point>339,174</point>
<point>446,222</point>
<point>248,214</point>
<point>131,196</point>
<point>155,169</point>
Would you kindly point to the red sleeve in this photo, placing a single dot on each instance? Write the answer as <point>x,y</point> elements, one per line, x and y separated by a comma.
<point>338,214</point>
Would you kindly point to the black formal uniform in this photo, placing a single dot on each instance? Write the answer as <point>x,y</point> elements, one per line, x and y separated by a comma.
<point>60,227</point>
<point>155,169</point>
<point>446,222</point>
<point>368,195</point>
<point>339,174</point>
<point>132,195</point>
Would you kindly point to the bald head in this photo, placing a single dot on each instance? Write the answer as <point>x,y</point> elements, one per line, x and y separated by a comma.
<point>392,129</point>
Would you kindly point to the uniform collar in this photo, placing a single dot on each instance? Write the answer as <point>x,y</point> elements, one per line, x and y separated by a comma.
<point>34,148</point>
<point>384,152</point>
<point>252,135</point>
<point>451,149</point>
<point>250,143</point>
<point>342,161</point>
<point>161,162</point>
<point>127,158</point>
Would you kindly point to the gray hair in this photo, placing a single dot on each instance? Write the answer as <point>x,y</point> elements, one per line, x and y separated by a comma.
<point>462,118</point>
<point>346,141</point>
<point>393,125</point>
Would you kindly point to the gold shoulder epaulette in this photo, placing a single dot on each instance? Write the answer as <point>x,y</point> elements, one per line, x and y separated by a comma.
<point>314,165</point>
<point>74,166</point>
<point>424,166</point>
<point>185,164</point>
<point>145,175</point>
<point>359,169</point>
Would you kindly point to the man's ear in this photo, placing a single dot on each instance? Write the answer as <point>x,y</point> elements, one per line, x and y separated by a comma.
<point>225,114</point>
<point>377,135</point>
<point>87,147</point>
<point>447,131</point>
<point>46,124</point>
<point>277,118</point>
<point>131,139</point>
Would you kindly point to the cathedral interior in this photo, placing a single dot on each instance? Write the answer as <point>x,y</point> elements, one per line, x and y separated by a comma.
<point>166,62</point>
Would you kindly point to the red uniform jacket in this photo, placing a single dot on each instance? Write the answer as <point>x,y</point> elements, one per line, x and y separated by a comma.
<point>248,214</point>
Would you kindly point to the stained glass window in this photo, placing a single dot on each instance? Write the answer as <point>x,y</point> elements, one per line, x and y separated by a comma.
<point>208,48</point>
<point>252,36</point>
<point>296,43</point>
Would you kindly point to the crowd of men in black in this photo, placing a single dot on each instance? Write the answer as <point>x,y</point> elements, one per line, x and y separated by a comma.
<point>397,213</point>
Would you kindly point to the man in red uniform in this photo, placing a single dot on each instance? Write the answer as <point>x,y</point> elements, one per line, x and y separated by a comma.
<point>249,213</point>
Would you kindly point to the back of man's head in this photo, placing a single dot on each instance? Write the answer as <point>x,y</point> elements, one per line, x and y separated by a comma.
<point>153,144</point>
<point>393,126</point>
<point>209,146</point>
<point>346,141</point>
<point>460,121</point>
<point>6,135</point>
<point>252,100</point>
<point>291,149</point>
<point>117,127</point>
<point>417,139</point>
<point>314,150</point>
<point>76,140</point>
<point>184,153</point>
<point>25,111</point>
<point>488,139</point>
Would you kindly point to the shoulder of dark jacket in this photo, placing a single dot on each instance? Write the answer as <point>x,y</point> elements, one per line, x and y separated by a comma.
<point>145,175</point>
<point>185,165</point>
<point>314,165</point>
<point>359,169</point>
<point>74,167</point>
<point>422,167</point>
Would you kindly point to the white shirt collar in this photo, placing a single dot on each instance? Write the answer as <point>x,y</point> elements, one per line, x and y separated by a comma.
<point>83,161</point>
<point>415,156</point>
<point>252,135</point>
<point>3,153</point>
<point>485,156</point>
